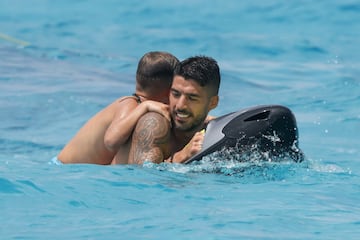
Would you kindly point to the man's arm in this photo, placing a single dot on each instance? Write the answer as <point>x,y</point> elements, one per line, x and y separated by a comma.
<point>150,139</point>
<point>125,121</point>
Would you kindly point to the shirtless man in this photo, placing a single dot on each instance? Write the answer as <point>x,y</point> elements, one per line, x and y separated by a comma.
<point>194,92</point>
<point>109,132</point>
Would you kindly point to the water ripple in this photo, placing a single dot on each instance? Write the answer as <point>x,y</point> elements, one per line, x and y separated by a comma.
<point>7,186</point>
<point>32,185</point>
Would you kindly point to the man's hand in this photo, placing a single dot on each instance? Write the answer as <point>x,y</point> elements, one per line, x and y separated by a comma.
<point>208,119</point>
<point>153,106</point>
<point>192,148</point>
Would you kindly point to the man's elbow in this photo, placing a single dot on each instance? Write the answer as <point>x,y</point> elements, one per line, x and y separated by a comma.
<point>113,144</point>
<point>109,144</point>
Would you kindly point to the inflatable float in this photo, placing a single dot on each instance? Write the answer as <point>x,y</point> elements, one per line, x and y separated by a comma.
<point>269,129</point>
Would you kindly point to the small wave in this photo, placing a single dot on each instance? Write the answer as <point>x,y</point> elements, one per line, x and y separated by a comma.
<point>350,7</point>
<point>251,166</point>
<point>7,186</point>
<point>327,168</point>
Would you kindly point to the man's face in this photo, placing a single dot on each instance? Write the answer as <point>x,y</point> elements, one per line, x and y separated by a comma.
<point>189,104</point>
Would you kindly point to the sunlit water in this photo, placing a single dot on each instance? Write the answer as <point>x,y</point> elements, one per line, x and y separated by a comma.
<point>66,60</point>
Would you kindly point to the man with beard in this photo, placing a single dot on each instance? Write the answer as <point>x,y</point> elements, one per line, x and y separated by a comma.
<point>194,92</point>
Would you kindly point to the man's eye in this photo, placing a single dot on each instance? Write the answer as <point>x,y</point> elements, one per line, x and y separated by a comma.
<point>193,98</point>
<point>175,94</point>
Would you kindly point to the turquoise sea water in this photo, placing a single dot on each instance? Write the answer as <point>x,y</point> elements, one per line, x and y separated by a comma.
<point>62,61</point>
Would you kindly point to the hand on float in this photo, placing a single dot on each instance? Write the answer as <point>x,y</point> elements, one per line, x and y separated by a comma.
<point>192,148</point>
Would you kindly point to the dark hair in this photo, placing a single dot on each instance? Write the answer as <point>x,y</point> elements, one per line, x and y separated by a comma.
<point>156,68</point>
<point>203,70</point>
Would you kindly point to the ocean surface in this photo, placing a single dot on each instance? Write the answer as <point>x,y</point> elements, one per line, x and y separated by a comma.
<point>63,61</point>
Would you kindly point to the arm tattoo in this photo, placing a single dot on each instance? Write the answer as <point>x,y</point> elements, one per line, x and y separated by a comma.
<point>150,135</point>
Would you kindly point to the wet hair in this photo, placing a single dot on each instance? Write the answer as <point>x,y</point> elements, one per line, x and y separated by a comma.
<point>203,70</point>
<point>155,69</point>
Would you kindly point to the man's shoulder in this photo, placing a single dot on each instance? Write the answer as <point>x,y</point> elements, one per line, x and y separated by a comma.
<point>127,99</point>
<point>124,102</point>
<point>150,139</point>
<point>155,125</point>
<point>153,120</point>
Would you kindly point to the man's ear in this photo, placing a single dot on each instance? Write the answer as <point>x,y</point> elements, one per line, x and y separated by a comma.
<point>214,102</point>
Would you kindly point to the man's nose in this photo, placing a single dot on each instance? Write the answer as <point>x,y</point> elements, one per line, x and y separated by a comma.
<point>182,102</point>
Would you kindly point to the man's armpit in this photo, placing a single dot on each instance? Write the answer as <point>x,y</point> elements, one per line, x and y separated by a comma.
<point>152,130</point>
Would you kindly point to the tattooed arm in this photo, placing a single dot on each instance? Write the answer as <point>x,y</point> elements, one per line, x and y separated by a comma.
<point>150,139</point>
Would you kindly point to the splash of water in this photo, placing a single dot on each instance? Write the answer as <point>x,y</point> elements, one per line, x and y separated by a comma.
<point>252,165</point>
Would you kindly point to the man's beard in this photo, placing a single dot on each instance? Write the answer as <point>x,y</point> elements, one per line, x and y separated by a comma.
<point>188,127</point>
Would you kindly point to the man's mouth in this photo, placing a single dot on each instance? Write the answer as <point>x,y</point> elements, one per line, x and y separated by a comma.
<point>182,115</point>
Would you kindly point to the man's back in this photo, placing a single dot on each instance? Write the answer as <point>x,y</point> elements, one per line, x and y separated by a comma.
<point>88,146</point>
